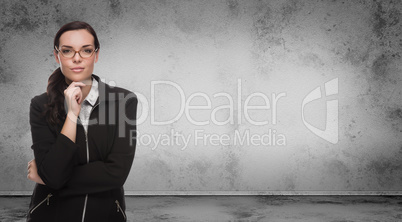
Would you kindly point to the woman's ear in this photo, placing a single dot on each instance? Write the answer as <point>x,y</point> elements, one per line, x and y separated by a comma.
<point>97,56</point>
<point>56,56</point>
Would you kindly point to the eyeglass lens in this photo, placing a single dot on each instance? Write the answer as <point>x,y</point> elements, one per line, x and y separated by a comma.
<point>85,52</point>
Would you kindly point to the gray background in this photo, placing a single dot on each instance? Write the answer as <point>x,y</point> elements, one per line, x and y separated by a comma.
<point>206,46</point>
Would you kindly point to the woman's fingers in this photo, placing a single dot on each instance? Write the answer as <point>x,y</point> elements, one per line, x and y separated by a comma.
<point>29,163</point>
<point>74,97</point>
<point>74,86</point>
<point>77,95</point>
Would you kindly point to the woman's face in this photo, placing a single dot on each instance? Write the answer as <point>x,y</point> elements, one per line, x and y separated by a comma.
<point>76,69</point>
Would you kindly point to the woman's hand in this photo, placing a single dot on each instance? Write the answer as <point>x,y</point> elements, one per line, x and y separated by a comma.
<point>73,97</point>
<point>33,172</point>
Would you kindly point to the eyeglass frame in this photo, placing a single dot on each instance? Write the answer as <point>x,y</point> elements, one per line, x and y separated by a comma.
<point>75,52</point>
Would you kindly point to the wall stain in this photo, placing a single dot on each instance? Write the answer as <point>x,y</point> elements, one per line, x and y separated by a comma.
<point>384,89</point>
<point>387,39</point>
<point>379,21</point>
<point>311,59</point>
<point>232,169</point>
<point>387,171</point>
<point>161,169</point>
<point>115,6</point>
<point>385,34</point>
<point>337,169</point>
<point>382,59</point>
<point>21,20</point>
<point>189,24</point>
<point>289,9</point>
<point>5,76</point>
<point>381,67</point>
<point>350,131</point>
<point>200,168</point>
<point>395,117</point>
<point>396,114</point>
<point>386,29</point>
<point>233,6</point>
<point>357,55</point>
<point>288,183</point>
<point>384,18</point>
<point>270,19</point>
<point>266,27</point>
<point>380,167</point>
<point>60,16</point>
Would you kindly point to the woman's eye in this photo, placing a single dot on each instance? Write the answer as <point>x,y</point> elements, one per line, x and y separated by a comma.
<point>65,51</point>
<point>88,50</point>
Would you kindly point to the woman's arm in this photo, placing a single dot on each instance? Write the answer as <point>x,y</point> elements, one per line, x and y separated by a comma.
<point>111,173</point>
<point>55,157</point>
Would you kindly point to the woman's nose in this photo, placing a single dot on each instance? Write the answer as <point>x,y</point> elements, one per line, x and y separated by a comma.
<point>77,57</point>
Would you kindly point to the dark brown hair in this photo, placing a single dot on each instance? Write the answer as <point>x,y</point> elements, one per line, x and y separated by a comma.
<point>56,82</point>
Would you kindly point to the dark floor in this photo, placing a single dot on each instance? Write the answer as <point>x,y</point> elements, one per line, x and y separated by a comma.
<point>242,208</point>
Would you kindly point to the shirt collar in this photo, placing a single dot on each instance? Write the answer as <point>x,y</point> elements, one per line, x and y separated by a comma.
<point>93,93</point>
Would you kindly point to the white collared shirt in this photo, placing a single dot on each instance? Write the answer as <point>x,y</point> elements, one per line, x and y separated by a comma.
<point>88,103</point>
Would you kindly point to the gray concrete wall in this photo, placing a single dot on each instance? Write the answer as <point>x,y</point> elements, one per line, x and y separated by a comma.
<point>229,53</point>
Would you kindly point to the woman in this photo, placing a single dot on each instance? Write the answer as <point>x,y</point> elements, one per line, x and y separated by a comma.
<point>82,132</point>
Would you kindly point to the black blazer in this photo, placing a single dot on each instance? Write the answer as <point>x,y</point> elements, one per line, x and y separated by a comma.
<point>70,181</point>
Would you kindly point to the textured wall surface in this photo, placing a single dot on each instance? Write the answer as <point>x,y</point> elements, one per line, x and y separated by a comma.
<point>222,52</point>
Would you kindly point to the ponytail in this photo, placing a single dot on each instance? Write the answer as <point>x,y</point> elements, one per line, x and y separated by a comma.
<point>55,92</point>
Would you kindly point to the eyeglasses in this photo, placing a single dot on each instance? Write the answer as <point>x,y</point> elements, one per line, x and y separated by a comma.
<point>68,52</point>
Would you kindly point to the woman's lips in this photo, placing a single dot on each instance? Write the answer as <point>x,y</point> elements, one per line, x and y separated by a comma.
<point>77,69</point>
